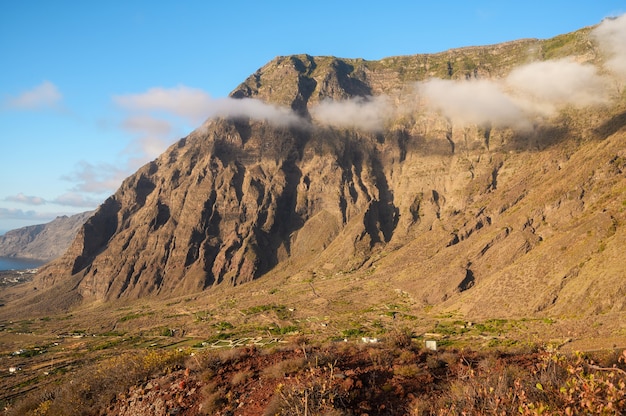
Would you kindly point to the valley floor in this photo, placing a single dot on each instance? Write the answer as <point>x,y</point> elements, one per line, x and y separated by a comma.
<point>223,354</point>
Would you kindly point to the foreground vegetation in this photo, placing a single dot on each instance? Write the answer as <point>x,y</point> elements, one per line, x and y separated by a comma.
<point>258,356</point>
<point>391,377</point>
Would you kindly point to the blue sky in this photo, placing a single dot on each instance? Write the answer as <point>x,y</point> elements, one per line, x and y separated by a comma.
<point>89,91</point>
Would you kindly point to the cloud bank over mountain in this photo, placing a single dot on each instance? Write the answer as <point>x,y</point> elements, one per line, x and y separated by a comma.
<point>538,89</point>
<point>367,113</point>
<point>611,36</point>
<point>195,106</point>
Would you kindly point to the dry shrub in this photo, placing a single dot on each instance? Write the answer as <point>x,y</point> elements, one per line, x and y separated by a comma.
<point>316,392</point>
<point>204,360</point>
<point>195,362</point>
<point>299,340</point>
<point>92,388</point>
<point>420,406</point>
<point>212,399</point>
<point>328,355</point>
<point>400,338</point>
<point>208,388</point>
<point>407,357</point>
<point>212,359</point>
<point>408,371</point>
<point>241,377</point>
<point>343,348</point>
<point>284,368</point>
<point>450,358</point>
<point>274,407</point>
<point>207,375</point>
<point>433,362</point>
<point>211,403</point>
<point>381,356</point>
<point>34,404</point>
<point>553,385</point>
<point>234,355</point>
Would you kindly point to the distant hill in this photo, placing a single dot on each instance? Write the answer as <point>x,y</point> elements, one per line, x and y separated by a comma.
<point>43,241</point>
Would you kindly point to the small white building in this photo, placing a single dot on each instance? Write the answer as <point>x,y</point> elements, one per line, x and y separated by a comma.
<point>431,345</point>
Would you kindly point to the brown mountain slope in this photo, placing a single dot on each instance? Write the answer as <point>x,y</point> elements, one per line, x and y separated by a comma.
<point>474,216</point>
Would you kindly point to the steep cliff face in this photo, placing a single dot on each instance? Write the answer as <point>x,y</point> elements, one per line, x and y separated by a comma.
<point>210,210</point>
<point>43,241</point>
<point>444,208</point>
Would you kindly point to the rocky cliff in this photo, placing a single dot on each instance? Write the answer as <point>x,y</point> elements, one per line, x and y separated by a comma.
<point>43,241</point>
<point>369,173</point>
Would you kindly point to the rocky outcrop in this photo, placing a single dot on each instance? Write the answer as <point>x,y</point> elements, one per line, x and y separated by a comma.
<point>448,211</point>
<point>44,241</point>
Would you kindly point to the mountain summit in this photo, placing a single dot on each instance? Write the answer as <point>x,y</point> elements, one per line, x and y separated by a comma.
<point>488,179</point>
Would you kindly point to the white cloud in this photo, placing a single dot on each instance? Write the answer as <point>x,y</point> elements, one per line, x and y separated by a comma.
<point>254,109</point>
<point>147,124</point>
<point>45,95</point>
<point>189,103</point>
<point>143,149</point>
<point>72,199</point>
<point>367,113</point>
<point>75,199</point>
<point>69,199</point>
<point>19,214</point>
<point>152,136</point>
<point>538,89</point>
<point>99,179</point>
<point>195,106</point>
<point>611,36</point>
<point>553,84</point>
<point>472,102</point>
<point>26,199</point>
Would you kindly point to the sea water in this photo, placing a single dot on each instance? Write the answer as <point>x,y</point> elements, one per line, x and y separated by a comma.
<point>11,263</point>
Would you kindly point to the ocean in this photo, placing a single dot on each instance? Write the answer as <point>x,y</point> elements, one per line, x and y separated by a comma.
<point>10,263</point>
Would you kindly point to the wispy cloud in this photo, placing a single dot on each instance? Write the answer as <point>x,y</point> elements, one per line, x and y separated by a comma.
<point>254,109</point>
<point>553,84</point>
<point>144,149</point>
<point>476,102</point>
<point>182,101</point>
<point>44,95</point>
<point>75,199</point>
<point>97,179</point>
<point>195,106</point>
<point>26,199</point>
<point>367,113</point>
<point>70,199</point>
<point>151,136</point>
<point>538,89</point>
<point>611,36</point>
<point>147,124</point>
<point>19,214</point>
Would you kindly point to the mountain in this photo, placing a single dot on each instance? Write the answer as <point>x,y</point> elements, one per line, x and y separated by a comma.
<point>43,241</point>
<point>488,180</point>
